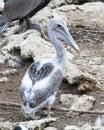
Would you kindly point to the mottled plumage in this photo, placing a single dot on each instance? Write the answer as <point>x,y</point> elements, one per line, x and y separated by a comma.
<point>37,74</point>
<point>43,78</point>
<point>20,10</point>
<point>38,93</point>
<point>41,93</point>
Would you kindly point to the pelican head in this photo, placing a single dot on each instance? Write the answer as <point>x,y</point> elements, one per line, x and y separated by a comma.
<point>20,127</point>
<point>58,27</point>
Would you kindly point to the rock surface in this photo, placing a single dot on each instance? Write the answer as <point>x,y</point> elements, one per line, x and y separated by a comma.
<point>71,127</point>
<point>83,103</point>
<point>86,127</point>
<point>68,99</point>
<point>4,79</point>
<point>8,72</point>
<point>74,102</point>
<point>83,127</point>
<point>76,15</point>
<point>50,128</point>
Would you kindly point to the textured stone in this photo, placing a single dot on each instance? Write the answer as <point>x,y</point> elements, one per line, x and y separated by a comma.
<point>68,99</point>
<point>86,127</point>
<point>8,72</point>
<point>4,79</point>
<point>83,103</point>
<point>71,127</point>
<point>15,62</point>
<point>50,128</point>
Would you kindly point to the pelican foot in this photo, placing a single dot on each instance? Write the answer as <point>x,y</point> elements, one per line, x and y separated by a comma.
<point>36,117</point>
<point>36,27</point>
<point>48,111</point>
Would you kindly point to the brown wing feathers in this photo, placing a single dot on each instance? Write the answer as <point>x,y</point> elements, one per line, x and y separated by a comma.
<point>16,9</point>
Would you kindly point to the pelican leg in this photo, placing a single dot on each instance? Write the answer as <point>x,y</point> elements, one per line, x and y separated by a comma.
<point>35,117</point>
<point>48,111</point>
<point>50,102</point>
<point>22,117</point>
<point>21,22</point>
<point>23,114</point>
<point>4,27</point>
<point>32,26</point>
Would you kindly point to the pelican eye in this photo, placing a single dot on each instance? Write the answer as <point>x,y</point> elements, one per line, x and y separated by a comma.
<point>58,25</point>
<point>24,103</point>
<point>32,105</point>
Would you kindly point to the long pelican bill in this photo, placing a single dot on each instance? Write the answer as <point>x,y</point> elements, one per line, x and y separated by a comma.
<point>63,34</point>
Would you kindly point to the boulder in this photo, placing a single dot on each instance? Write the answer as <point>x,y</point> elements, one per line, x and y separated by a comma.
<point>86,127</point>
<point>68,99</point>
<point>83,103</point>
<point>50,128</point>
<point>71,127</point>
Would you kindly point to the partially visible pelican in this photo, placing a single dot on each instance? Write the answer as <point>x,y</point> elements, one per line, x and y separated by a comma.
<point>20,127</point>
<point>21,10</point>
<point>44,76</point>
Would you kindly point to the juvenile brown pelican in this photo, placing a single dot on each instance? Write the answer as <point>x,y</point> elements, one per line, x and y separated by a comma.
<point>43,78</point>
<point>21,10</point>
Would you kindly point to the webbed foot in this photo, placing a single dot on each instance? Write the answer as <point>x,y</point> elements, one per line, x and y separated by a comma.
<point>36,27</point>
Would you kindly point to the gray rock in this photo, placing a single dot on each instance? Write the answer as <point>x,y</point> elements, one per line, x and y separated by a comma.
<point>3,58</point>
<point>72,1</point>
<point>96,68</point>
<point>4,79</point>
<point>50,128</point>
<point>96,61</point>
<point>82,13</point>
<point>84,1</point>
<point>31,45</point>
<point>71,127</point>
<point>75,76</point>
<point>60,2</point>
<point>83,103</point>
<point>15,62</point>
<point>86,127</point>
<point>96,128</point>
<point>77,103</point>
<point>83,127</point>
<point>8,72</point>
<point>57,3</point>
<point>68,99</point>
